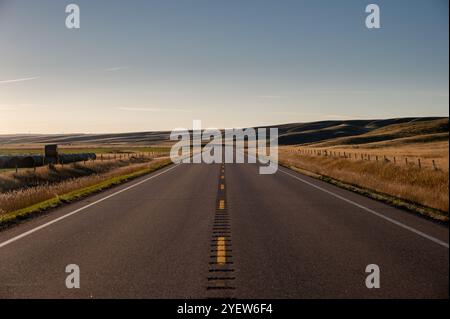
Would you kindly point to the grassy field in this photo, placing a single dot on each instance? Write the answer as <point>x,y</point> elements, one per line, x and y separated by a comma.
<point>399,160</point>
<point>28,149</point>
<point>431,155</point>
<point>28,177</point>
<point>426,186</point>
<point>29,192</point>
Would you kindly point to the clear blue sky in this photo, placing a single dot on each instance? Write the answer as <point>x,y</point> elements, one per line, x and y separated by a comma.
<point>151,65</point>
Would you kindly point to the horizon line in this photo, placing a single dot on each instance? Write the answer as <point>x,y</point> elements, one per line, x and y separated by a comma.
<point>223,128</point>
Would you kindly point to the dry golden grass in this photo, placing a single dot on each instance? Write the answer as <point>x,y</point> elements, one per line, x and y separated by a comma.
<point>105,149</point>
<point>28,187</point>
<point>402,143</point>
<point>424,186</point>
<point>426,152</point>
<point>27,177</point>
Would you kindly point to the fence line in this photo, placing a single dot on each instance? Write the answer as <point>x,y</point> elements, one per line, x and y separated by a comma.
<point>102,157</point>
<point>393,159</point>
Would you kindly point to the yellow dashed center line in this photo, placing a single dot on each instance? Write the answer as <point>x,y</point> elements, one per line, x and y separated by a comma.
<point>221,204</point>
<point>222,177</point>
<point>221,254</point>
<point>222,186</point>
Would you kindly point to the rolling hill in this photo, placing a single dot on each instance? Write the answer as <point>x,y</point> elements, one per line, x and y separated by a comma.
<point>323,133</point>
<point>330,133</point>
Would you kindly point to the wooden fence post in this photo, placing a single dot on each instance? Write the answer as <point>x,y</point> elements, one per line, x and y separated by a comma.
<point>434,165</point>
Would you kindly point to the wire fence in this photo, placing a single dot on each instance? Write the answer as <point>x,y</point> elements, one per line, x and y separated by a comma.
<point>419,162</point>
<point>103,157</point>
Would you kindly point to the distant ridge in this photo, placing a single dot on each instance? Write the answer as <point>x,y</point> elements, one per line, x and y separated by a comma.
<point>360,131</point>
<point>118,138</point>
<point>321,133</point>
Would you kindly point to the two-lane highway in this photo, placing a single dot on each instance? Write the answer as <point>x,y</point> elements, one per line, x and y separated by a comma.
<point>276,236</point>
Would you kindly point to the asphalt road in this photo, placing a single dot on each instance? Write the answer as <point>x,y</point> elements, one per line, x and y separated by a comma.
<point>188,232</point>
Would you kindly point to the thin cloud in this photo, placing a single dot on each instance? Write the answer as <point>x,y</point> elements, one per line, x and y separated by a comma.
<point>117,68</point>
<point>286,113</point>
<point>432,93</point>
<point>270,97</point>
<point>377,92</point>
<point>322,116</point>
<point>150,109</point>
<point>7,107</point>
<point>19,80</point>
<point>20,106</point>
<point>342,117</point>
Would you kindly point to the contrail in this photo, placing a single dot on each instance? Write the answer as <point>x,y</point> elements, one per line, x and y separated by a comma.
<point>19,80</point>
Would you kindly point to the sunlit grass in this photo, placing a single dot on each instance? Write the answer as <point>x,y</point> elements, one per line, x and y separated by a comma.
<point>20,203</point>
<point>426,186</point>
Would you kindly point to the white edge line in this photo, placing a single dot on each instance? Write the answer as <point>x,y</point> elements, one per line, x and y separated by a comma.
<point>9,241</point>
<point>393,221</point>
